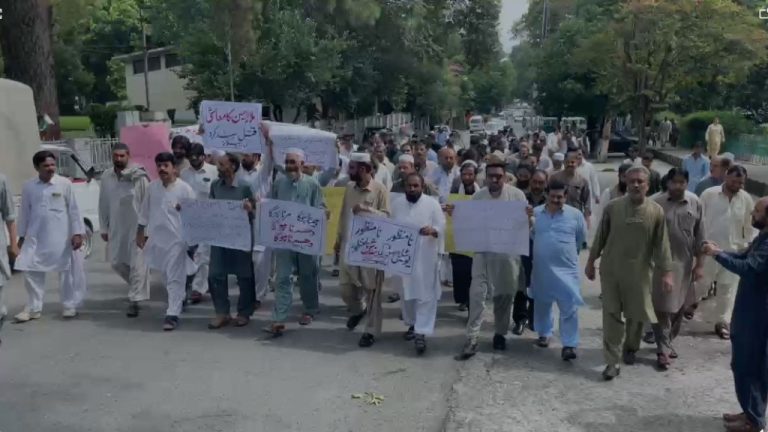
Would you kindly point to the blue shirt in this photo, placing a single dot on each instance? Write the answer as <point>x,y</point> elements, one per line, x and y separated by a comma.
<point>697,168</point>
<point>431,155</point>
<point>305,190</point>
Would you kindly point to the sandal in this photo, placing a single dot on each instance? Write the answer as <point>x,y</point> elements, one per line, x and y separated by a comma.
<point>723,331</point>
<point>306,319</point>
<point>276,330</point>
<point>241,321</point>
<point>421,344</point>
<point>170,323</point>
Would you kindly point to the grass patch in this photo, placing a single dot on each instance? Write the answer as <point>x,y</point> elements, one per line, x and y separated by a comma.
<point>74,123</point>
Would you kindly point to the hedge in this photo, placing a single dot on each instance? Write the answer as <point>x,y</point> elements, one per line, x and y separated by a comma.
<point>693,126</point>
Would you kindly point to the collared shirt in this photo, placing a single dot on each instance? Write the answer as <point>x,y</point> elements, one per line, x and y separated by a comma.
<point>248,177</point>
<point>304,190</point>
<point>534,200</point>
<point>200,180</point>
<point>697,168</point>
<point>577,192</point>
<point>375,196</point>
<point>443,180</point>
<point>707,183</point>
<point>226,261</point>
<point>727,222</point>
<point>684,225</point>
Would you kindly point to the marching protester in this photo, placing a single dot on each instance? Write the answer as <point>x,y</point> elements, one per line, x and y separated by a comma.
<point>123,189</point>
<point>697,166</point>
<point>200,175</point>
<point>421,290</point>
<point>261,187</point>
<point>461,263</point>
<point>180,147</point>
<point>9,247</point>
<point>447,172</point>
<point>226,261</point>
<point>50,234</point>
<point>728,223</point>
<point>683,213</point>
<point>559,231</point>
<point>381,164</point>
<point>578,193</point>
<point>159,234</point>
<point>654,182</point>
<point>406,167</point>
<point>423,165</point>
<point>363,196</point>
<point>631,242</point>
<point>718,166</point>
<point>585,169</point>
<point>749,358</point>
<point>299,188</point>
<point>250,167</point>
<point>492,273</point>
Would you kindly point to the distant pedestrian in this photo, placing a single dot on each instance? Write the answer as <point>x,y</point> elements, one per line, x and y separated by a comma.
<point>697,166</point>
<point>715,137</point>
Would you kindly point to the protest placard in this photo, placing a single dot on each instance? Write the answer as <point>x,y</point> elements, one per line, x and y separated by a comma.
<point>292,226</point>
<point>146,141</point>
<point>221,223</point>
<point>491,226</point>
<point>319,146</point>
<point>191,132</point>
<point>450,243</point>
<point>232,126</point>
<point>382,244</point>
<point>333,197</point>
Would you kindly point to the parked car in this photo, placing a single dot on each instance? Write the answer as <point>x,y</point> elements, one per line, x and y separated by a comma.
<point>621,142</point>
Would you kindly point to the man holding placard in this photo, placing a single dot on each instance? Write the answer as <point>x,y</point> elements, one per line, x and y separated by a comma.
<point>160,237</point>
<point>364,195</point>
<point>199,175</point>
<point>421,290</point>
<point>225,261</point>
<point>299,188</point>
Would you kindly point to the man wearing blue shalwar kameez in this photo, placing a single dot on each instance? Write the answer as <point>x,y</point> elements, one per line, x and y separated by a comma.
<point>559,230</point>
<point>749,325</point>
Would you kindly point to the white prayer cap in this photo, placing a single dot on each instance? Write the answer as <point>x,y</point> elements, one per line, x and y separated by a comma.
<point>360,157</point>
<point>405,158</point>
<point>469,162</point>
<point>215,152</point>
<point>297,152</point>
<point>558,157</point>
<point>729,156</point>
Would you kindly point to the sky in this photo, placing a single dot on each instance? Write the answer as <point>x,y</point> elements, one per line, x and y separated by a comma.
<point>511,11</point>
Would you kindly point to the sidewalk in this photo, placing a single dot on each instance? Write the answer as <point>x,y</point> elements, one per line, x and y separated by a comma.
<point>757,180</point>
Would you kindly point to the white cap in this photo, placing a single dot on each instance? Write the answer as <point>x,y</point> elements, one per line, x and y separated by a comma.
<point>360,157</point>
<point>558,157</point>
<point>405,158</point>
<point>469,162</point>
<point>215,152</point>
<point>729,156</point>
<point>297,152</point>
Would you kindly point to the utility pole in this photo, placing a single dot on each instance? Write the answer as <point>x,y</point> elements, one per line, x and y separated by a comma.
<point>146,57</point>
<point>545,21</point>
<point>231,73</point>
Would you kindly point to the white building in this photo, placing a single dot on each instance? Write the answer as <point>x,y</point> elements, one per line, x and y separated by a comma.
<point>166,88</point>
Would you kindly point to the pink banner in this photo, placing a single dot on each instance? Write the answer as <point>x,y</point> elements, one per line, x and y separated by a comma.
<point>146,140</point>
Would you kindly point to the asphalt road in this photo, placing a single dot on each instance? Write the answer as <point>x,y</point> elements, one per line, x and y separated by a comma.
<point>105,372</point>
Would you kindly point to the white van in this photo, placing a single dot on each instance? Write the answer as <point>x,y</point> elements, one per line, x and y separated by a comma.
<point>476,124</point>
<point>20,140</point>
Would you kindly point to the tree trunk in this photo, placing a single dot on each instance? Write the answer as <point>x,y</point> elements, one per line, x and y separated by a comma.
<point>26,39</point>
<point>605,138</point>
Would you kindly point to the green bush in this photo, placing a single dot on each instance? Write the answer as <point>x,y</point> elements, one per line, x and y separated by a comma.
<point>74,123</point>
<point>103,119</point>
<point>694,126</point>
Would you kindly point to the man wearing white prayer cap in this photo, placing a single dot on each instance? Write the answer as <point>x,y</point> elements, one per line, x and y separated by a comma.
<point>297,187</point>
<point>558,160</point>
<point>406,165</point>
<point>364,196</point>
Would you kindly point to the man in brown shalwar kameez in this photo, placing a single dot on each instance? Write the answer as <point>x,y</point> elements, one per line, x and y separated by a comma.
<point>686,234</point>
<point>632,240</point>
<point>577,193</point>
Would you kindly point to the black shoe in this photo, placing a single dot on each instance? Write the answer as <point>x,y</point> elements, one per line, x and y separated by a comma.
<point>519,328</point>
<point>170,323</point>
<point>354,320</point>
<point>335,273</point>
<point>499,342</point>
<point>133,310</point>
<point>366,340</point>
<point>649,338</point>
<point>463,307</point>
<point>421,344</point>
<point>393,298</point>
<point>410,334</point>
<point>611,372</point>
<point>629,357</point>
<point>469,350</point>
<point>568,354</point>
<point>542,342</point>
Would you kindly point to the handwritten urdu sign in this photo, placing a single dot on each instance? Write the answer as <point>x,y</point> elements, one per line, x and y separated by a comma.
<point>319,146</point>
<point>222,223</point>
<point>292,226</point>
<point>232,126</point>
<point>382,244</point>
<point>146,141</point>
<point>491,226</point>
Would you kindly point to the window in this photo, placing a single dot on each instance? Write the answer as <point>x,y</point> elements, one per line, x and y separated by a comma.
<point>154,63</point>
<point>172,60</point>
<point>138,66</point>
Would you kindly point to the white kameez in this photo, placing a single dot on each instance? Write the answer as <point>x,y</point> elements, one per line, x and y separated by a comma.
<point>119,201</point>
<point>166,249</point>
<point>201,181</point>
<point>384,176</point>
<point>49,218</point>
<point>421,290</point>
<point>261,186</point>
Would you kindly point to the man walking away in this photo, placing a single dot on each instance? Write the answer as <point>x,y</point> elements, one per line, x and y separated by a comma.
<point>697,166</point>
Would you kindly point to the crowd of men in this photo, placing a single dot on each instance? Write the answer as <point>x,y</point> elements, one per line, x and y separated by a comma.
<point>666,247</point>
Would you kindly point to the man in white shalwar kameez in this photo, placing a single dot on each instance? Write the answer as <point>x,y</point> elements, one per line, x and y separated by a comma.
<point>261,187</point>
<point>200,175</point>
<point>51,235</point>
<point>122,191</point>
<point>159,234</point>
<point>421,290</point>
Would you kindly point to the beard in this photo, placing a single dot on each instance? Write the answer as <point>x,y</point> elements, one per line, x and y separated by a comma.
<point>248,165</point>
<point>222,174</point>
<point>355,177</point>
<point>622,187</point>
<point>120,165</point>
<point>523,184</point>
<point>412,197</point>
<point>759,224</point>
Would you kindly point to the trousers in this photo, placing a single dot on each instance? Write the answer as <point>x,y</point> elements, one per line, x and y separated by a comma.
<point>461,267</point>
<point>544,321</point>
<point>262,270</point>
<point>175,277</point>
<point>308,271</point>
<point>202,258</point>
<point>72,285</point>
<point>616,333</point>
<point>493,275</point>
<point>358,282</point>
<point>666,330</point>
<point>136,276</point>
<point>421,315</point>
<point>219,289</point>
<point>713,148</point>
